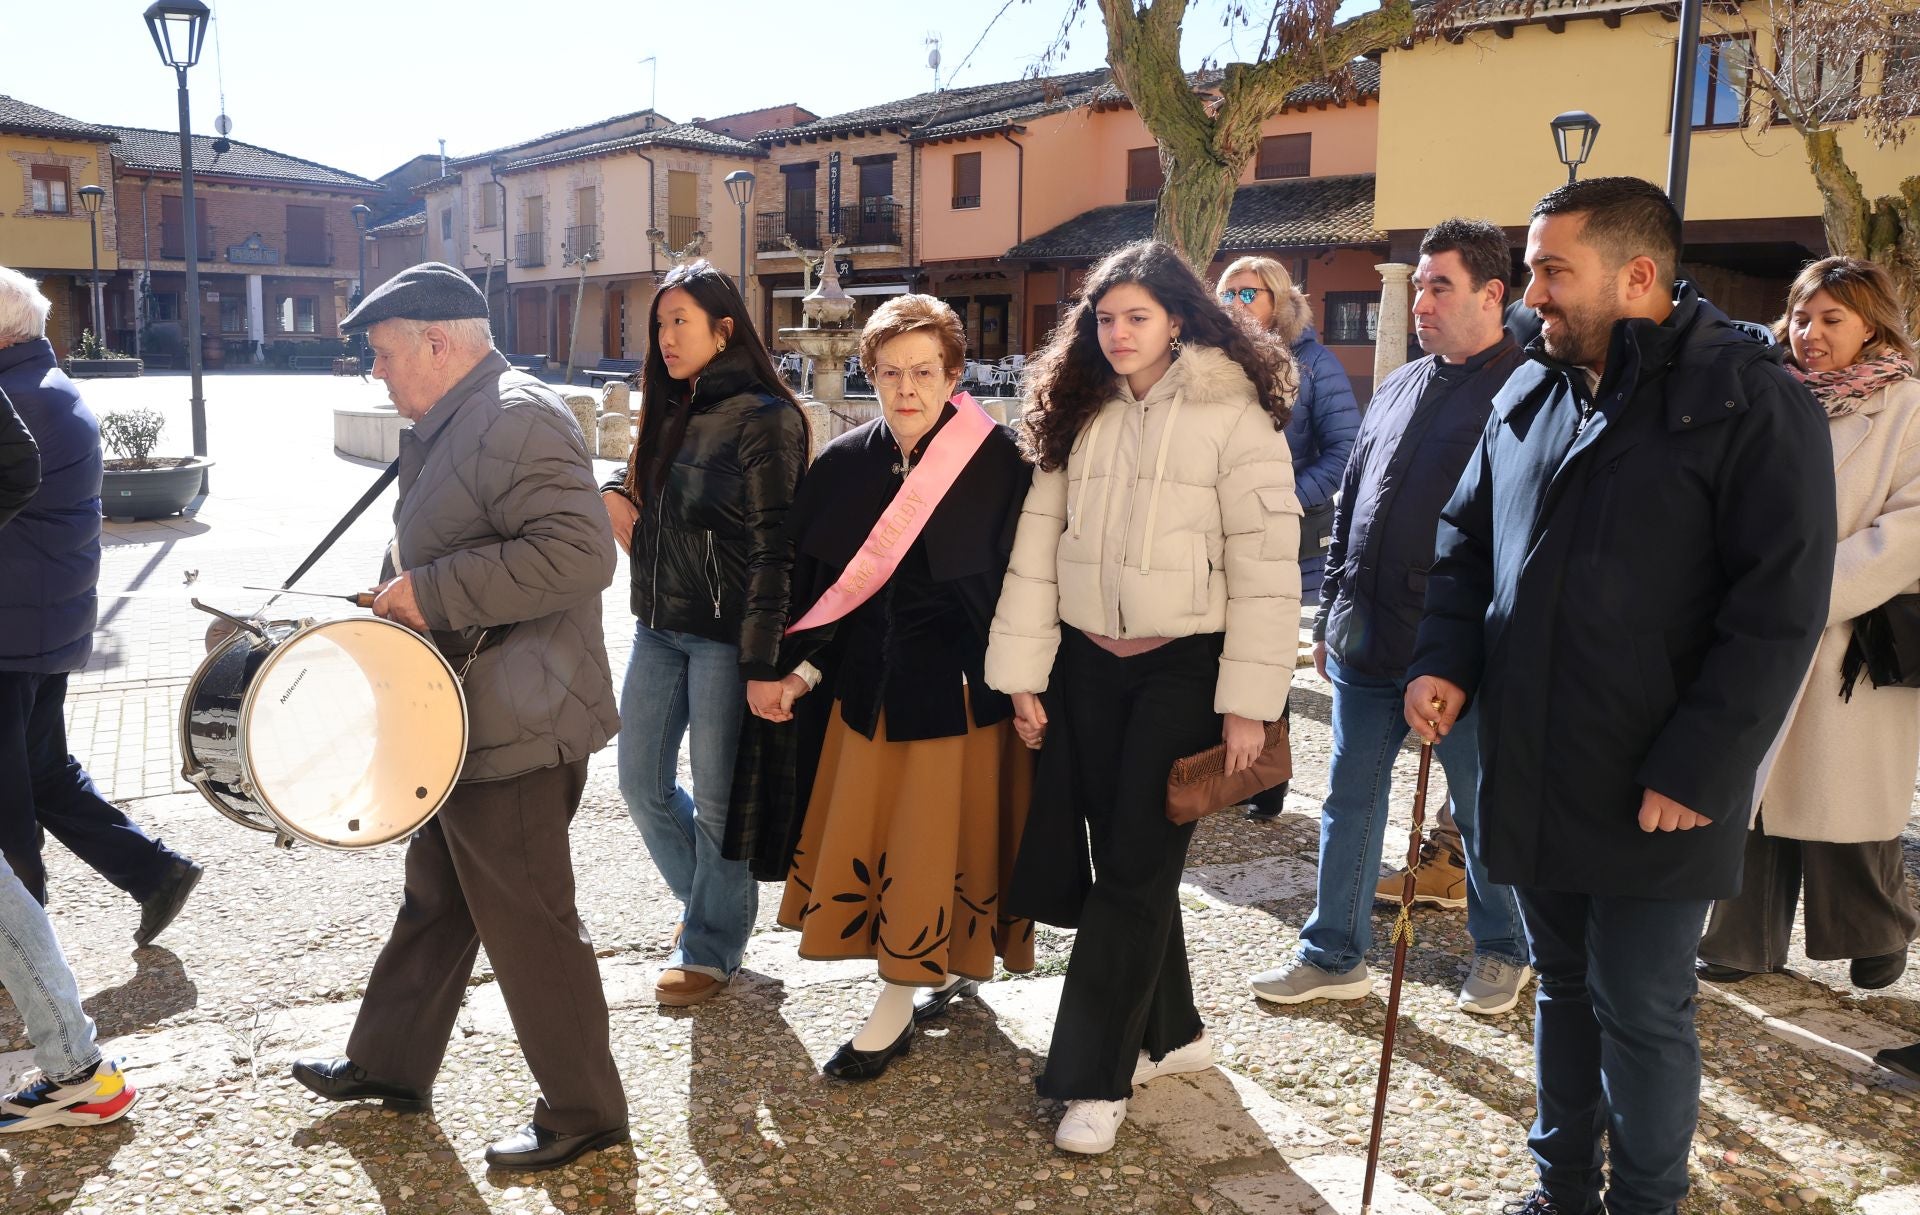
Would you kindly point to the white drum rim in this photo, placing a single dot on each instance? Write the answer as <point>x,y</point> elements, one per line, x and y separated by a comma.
<point>259,797</point>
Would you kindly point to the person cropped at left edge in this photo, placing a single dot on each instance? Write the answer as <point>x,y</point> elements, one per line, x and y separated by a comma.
<point>700,508</point>
<point>49,571</point>
<point>498,528</point>
<point>19,462</point>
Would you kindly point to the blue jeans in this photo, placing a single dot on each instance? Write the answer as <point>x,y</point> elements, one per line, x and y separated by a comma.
<point>1615,1052</point>
<point>1368,728</point>
<point>676,681</point>
<point>35,974</point>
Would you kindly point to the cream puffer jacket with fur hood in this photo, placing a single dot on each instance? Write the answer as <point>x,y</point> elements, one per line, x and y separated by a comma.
<point>1174,516</point>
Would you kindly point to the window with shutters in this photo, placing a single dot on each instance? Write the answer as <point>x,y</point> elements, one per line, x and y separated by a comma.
<point>51,188</point>
<point>1284,156</point>
<point>966,180</point>
<point>1144,178</point>
<point>489,205</point>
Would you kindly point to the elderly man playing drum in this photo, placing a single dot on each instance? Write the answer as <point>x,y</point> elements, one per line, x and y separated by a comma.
<point>501,551</point>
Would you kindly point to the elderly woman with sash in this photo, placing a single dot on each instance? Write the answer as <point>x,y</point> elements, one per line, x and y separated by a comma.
<point>913,781</point>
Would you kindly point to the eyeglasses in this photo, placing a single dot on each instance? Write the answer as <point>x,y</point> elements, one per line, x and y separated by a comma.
<point>925,376</point>
<point>1245,295</point>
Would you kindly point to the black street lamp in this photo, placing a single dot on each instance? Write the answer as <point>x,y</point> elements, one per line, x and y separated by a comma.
<point>90,197</point>
<point>360,213</point>
<point>1574,133</point>
<point>740,190</point>
<point>179,27</point>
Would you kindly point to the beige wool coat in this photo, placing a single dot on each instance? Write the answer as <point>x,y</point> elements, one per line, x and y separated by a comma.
<point>1843,771</point>
<point>1174,516</point>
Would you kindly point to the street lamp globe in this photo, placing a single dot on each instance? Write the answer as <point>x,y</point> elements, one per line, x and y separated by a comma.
<point>740,187</point>
<point>178,28</point>
<point>90,197</point>
<point>360,212</point>
<point>1574,133</point>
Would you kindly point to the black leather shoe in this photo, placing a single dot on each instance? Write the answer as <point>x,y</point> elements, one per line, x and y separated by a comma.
<point>850,1064</point>
<point>341,1080</point>
<point>159,908</point>
<point>1713,972</point>
<point>533,1147</point>
<point>932,1002</point>
<point>1881,970</point>
<point>1902,1059</point>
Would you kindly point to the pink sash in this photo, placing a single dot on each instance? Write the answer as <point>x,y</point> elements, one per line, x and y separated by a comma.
<point>899,525</point>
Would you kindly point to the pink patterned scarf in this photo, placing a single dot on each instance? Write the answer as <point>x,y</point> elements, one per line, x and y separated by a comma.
<point>1843,390</point>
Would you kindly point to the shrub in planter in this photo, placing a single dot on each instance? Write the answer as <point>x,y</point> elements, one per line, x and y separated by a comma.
<point>92,358</point>
<point>136,484</point>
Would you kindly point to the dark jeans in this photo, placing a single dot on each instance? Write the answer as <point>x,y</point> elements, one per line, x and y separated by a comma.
<point>1128,988</point>
<point>1855,898</point>
<point>1615,1053</point>
<point>42,786</point>
<point>495,868</point>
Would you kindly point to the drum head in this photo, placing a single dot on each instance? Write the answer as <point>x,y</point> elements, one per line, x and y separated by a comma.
<point>354,732</point>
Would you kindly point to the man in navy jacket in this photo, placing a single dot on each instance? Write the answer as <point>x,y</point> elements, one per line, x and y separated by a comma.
<point>49,568</point>
<point>1629,584</point>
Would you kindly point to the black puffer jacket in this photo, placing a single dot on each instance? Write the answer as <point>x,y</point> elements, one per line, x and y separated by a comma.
<point>706,549</point>
<point>19,462</point>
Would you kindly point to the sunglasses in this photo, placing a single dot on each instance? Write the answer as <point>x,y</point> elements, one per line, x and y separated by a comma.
<point>1245,295</point>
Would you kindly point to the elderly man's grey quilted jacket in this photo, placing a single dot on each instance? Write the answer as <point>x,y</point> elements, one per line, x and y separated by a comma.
<point>500,522</point>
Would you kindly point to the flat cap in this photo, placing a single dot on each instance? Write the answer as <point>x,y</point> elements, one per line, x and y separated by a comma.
<point>430,291</point>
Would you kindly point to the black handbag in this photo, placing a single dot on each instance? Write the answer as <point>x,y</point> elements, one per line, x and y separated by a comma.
<point>1316,530</point>
<point>1886,645</point>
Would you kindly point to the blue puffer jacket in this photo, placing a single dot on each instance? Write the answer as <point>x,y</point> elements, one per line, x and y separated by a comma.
<point>50,553</point>
<point>1325,420</point>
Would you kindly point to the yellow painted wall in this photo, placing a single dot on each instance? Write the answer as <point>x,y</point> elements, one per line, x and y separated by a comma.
<point>51,242</point>
<point>1464,128</point>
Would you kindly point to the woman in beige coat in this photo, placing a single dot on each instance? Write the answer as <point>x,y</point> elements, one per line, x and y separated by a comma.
<point>1154,598</point>
<point>1838,787</point>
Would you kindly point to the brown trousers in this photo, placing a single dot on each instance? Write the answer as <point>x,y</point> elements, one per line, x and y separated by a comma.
<point>1855,898</point>
<point>495,868</point>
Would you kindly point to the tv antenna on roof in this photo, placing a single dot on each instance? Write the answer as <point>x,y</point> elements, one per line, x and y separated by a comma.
<point>223,126</point>
<point>932,41</point>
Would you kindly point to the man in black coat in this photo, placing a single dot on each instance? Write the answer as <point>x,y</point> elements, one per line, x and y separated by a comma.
<point>1630,581</point>
<point>19,462</point>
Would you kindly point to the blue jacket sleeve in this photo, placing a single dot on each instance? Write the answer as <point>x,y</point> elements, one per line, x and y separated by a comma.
<point>1334,416</point>
<point>1452,638</point>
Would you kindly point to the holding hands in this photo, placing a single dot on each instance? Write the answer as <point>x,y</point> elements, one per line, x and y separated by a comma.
<point>772,699</point>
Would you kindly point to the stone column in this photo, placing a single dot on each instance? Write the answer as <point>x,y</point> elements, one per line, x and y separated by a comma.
<point>1390,344</point>
<point>256,317</point>
<point>585,407</point>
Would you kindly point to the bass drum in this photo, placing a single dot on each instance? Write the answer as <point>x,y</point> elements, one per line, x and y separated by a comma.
<point>347,734</point>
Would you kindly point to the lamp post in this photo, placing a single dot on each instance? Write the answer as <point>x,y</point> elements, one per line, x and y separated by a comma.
<point>90,197</point>
<point>179,27</point>
<point>1574,134</point>
<point>360,213</point>
<point>740,190</point>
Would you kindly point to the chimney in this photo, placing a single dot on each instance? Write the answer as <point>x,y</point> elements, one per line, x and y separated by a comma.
<point>443,158</point>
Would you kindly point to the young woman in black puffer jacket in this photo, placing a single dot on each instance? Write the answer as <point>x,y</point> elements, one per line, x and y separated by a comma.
<point>721,451</point>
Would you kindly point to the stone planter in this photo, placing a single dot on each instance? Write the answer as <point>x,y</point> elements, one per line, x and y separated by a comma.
<point>127,494</point>
<point>97,369</point>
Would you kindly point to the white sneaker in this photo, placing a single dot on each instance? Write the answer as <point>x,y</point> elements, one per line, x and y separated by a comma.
<point>1493,986</point>
<point>1298,982</point>
<point>1089,1126</point>
<point>1195,1056</point>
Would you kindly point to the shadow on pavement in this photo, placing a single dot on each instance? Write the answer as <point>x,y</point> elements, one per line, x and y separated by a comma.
<point>158,989</point>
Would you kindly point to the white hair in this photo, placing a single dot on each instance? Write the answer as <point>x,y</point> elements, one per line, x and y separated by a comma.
<point>468,333</point>
<point>23,309</point>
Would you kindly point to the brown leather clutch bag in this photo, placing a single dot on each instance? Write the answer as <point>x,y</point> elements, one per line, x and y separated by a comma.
<point>1199,785</point>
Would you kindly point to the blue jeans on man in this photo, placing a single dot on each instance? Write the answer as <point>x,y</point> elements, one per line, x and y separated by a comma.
<point>1368,728</point>
<point>677,682</point>
<point>35,973</point>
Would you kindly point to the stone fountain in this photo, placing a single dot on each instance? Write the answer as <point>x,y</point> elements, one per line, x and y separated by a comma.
<point>826,341</point>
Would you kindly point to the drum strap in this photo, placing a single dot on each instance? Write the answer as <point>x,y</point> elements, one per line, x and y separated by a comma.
<point>346,521</point>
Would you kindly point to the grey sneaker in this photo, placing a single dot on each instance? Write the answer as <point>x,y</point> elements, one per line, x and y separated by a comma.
<point>1298,981</point>
<point>1493,986</point>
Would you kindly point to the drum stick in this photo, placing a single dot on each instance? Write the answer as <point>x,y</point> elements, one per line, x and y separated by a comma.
<point>358,599</point>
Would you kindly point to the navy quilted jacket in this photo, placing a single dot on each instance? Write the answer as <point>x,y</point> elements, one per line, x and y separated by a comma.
<point>50,553</point>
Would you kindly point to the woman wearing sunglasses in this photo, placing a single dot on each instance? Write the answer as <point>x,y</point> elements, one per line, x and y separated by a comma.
<point>1321,432</point>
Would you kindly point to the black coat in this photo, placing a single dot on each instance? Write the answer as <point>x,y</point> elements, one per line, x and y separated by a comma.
<point>707,556</point>
<point>1633,608</point>
<point>19,463</point>
<point>905,650</point>
<point>1422,425</point>
<point>50,553</point>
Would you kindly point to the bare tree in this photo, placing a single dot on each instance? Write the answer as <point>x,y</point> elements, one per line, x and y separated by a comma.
<point>1207,135</point>
<point>1836,62</point>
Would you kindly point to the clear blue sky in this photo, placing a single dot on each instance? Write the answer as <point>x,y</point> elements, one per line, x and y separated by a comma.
<point>365,84</point>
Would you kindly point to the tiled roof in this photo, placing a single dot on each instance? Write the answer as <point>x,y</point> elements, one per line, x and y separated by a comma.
<point>682,135</point>
<point>159,151</point>
<point>550,136</point>
<point>17,117</point>
<point>924,107</point>
<point>1311,212</point>
<point>406,223</point>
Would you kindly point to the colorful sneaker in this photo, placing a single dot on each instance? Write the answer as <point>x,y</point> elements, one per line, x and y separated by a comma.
<point>100,1095</point>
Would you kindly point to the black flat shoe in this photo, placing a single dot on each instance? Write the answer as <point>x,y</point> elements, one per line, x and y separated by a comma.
<point>341,1080</point>
<point>533,1147</point>
<point>1713,972</point>
<point>1881,970</point>
<point>164,904</point>
<point>931,1004</point>
<point>1902,1059</point>
<point>850,1064</point>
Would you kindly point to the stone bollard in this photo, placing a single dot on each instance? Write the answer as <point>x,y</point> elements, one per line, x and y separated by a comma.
<point>821,422</point>
<point>616,421</point>
<point>585,407</point>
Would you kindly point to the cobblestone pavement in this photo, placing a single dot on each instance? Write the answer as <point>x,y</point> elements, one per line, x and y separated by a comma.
<point>729,1111</point>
